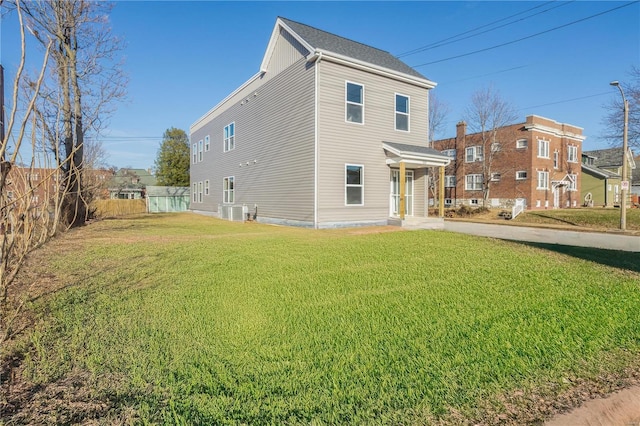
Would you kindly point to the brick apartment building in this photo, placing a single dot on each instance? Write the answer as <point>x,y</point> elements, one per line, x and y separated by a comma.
<point>538,161</point>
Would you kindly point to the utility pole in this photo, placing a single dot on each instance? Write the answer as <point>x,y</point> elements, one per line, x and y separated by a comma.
<point>1,103</point>
<point>624,183</point>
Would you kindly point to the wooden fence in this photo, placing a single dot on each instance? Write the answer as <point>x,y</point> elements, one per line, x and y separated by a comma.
<point>114,208</point>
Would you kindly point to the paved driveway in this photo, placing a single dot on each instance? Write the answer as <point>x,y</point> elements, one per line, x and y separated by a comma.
<point>549,236</point>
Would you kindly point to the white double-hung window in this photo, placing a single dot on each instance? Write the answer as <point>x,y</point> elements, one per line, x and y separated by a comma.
<point>194,150</point>
<point>473,182</point>
<point>402,112</point>
<point>449,181</point>
<point>228,190</point>
<point>572,154</point>
<point>354,185</point>
<point>473,153</point>
<point>543,180</point>
<point>543,148</point>
<point>229,137</point>
<point>354,95</point>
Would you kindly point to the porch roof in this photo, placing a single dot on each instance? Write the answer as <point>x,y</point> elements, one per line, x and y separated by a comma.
<point>414,155</point>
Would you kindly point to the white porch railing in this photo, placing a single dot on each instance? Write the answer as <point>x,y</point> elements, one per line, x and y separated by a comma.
<point>518,208</point>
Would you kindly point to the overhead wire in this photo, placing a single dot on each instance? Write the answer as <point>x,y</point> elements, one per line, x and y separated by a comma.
<point>526,37</point>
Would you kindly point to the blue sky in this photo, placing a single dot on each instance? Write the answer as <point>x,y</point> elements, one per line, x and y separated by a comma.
<point>182,58</point>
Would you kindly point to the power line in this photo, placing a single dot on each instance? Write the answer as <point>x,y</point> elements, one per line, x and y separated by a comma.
<point>484,75</point>
<point>524,38</point>
<point>457,38</point>
<point>566,100</point>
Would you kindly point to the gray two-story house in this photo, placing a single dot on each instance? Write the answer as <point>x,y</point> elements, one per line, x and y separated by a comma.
<point>319,137</point>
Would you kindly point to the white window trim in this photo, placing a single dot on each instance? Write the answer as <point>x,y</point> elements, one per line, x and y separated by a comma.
<point>573,182</point>
<point>522,143</point>
<point>353,103</point>
<point>570,158</point>
<point>194,196</point>
<point>448,179</point>
<point>546,180</point>
<point>476,149</point>
<point>408,114</point>
<point>346,185</point>
<point>229,143</point>
<point>495,177</point>
<point>200,145</point>
<point>518,177</point>
<point>545,154</point>
<point>207,143</point>
<point>194,156</point>
<point>226,192</point>
<point>448,152</point>
<point>206,187</point>
<point>556,160</point>
<point>200,191</point>
<point>475,177</point>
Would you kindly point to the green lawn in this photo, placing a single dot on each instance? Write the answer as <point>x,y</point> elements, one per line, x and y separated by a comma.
<point>597,218</point>
<point>182,319</point>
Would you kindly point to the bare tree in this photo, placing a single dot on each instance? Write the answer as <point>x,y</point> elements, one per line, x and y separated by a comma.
<point>22,226</point>
<point>86,79</point>
<point>438,112</point>
<point>613,120</point>
<point>487,113</point>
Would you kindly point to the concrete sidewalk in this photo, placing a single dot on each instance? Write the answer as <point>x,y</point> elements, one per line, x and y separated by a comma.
<point>600,240</point>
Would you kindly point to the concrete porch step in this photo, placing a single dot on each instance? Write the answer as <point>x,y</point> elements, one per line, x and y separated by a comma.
<point>418,222</point>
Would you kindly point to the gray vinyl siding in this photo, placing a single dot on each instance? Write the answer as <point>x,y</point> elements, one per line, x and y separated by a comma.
<point>273,159</point>
<point>340,142</point>
<point>286,52</point>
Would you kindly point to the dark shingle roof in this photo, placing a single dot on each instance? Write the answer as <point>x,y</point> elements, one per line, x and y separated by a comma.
<point>610,157</point>
<point>330,42</point>
<point>403,147</point>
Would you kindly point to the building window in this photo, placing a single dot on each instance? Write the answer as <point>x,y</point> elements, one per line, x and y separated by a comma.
<point>402,112</point>
<point>495,177</point>
<point>572,154</point>
<point>229,137</point>
<point>451,153</point>
<point>448,201</point>
<point>194,195</point>
<point>521,175</point>
<point>194,150</point>
<point>354,185</point>
<point>450,181</point>
<point>555,159</point>
<point>573,182</point>
<point>228,190</point>
<point>495,147</point>
<point>207,143</point>
<point>200,191</point>
<point>543,149</point>
<point>473,153</point>
<point>473,201</point>
<point>543,180</point>
<point>473,182</point>
<point>200,150</point>
<point>521,143</point>
<point>206,187</point>
<point>354,103</point>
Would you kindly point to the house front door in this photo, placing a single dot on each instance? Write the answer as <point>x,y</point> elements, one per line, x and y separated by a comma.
<point>395,193</point>
<point>556,197</point>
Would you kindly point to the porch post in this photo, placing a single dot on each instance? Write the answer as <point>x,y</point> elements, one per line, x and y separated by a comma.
<point>402,189</point>
<point>441,193</point>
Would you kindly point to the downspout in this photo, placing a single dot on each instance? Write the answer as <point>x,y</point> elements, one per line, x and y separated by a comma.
<point>318,58</point>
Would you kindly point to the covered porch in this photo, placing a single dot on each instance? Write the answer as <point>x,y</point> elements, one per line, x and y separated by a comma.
<point>402,158</point>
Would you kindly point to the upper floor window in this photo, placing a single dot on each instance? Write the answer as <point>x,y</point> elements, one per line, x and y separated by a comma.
<point>207,143</point>
<point>572,154</point>
<point>450,181</point>
<point>228,190</point>
<point>543,148</point>
<point>354,185</point>
<point>521,143</point>
<point>521,175</point>
<point>449,153</point>
<point>194,150</point>
<point>354,103</point>
<point>402,112</point>
<point>473,153</point>
<point>556,161</point>
<point>495,177</point>
<point>200,150</point>
<point>229,137</point>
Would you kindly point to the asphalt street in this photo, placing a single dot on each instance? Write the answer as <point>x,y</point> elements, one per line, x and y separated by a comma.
<point>600,240</point>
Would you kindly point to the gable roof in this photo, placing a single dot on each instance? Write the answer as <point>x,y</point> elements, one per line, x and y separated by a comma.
<point>611,157</point>
<point>599,172</point>
<point>333,47</point>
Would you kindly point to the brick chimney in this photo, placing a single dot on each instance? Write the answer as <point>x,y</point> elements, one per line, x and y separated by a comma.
<point>461,131</point>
